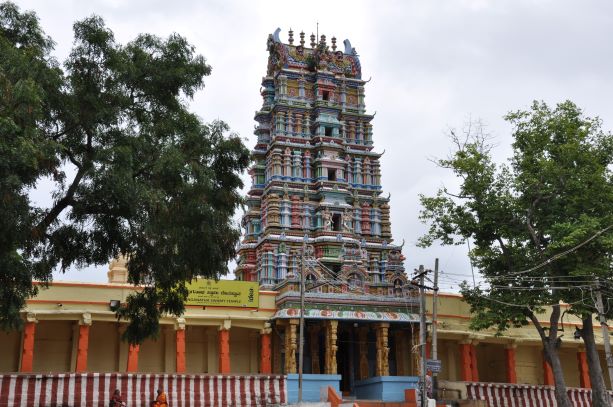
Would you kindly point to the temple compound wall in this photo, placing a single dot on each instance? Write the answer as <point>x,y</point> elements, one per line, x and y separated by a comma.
<point>70,328</point>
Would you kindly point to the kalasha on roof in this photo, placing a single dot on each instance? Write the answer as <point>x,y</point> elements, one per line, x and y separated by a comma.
<point>319,56</point>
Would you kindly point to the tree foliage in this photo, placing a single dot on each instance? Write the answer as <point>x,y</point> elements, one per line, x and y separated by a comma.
<point>542,226</point>
<point>135,172</point>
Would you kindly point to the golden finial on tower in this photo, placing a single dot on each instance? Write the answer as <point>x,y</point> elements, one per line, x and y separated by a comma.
<point>291,36</point>
<point>302,38</point>
<point>313,40</point>
<point>333,43</point>
<point>322,40</point>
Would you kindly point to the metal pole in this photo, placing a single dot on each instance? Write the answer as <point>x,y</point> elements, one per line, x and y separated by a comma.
<point>301,343</point>
<point>422,335</point>
<point>434,322</point>
<point>605,334</point>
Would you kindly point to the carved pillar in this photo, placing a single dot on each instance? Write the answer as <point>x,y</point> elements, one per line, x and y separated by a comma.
<point>382,368</point>
<point>224,347</point>
<point>314,342</point>
<point>272,217</point>
<point>27,352</point>
<point>180,345</point>
<point>363,346</point>
<point>296,211</point>
<point>291,346</point>
<point>386,226</point>
<point>306,167</point>
<point>265,351</point>
<point>331,347</point>
<point>365,219</point>
<point>83,342</point>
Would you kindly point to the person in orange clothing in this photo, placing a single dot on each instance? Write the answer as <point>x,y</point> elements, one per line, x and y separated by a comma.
<point>161,400</point>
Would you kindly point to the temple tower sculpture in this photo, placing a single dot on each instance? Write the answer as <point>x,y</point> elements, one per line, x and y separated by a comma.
<point>316,203</point>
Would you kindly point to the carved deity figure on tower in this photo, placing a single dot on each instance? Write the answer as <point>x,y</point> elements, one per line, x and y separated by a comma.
<point>347,221</point>
<point>327,219</point>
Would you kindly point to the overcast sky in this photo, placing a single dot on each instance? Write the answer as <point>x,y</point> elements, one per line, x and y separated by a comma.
<point>434,65</point>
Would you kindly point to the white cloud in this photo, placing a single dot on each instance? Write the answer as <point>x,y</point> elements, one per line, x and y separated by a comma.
<point>432,65</point>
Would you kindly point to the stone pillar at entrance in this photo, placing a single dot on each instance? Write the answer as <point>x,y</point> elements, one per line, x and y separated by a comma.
<point>466,361</point>
<point>133,358</point>
<point>363,343</point>
<point>83,343</point>
<point>291,346</point>
<point>27,353</point>
<point>180,344</point>
<point>382,368</point>
<point>224,347</point>
<point>314,342</point>
<point>265,353</point>
<point>331,347</point>
<point>584,376</point>
<point>510,363</point>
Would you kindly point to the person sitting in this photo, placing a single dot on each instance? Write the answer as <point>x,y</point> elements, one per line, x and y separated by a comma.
<point>116,400</point>
<point>161,400</point>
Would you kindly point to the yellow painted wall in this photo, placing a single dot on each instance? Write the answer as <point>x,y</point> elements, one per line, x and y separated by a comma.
<point>243,350</point>
<point>53,346</point>
<point>104,347</point>
<point>196,349</point>
<point>448,353</point>
<point>152,354</point>
<point>10,348</point>
<point>491,362</point>
<point>570,366</point>
<point>529,364</point>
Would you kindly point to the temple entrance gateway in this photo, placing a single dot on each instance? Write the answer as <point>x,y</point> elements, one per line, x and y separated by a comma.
<point>316,207</point>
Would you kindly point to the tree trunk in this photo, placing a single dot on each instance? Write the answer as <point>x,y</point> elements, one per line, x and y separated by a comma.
<point>551,345</point>
<point>600,397</point>
<point>553,358</point>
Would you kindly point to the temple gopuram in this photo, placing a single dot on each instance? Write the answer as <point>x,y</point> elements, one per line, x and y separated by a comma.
<point>316,205</point>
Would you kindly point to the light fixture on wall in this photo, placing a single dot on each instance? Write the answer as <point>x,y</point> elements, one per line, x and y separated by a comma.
<point>577,334</point>
<point>114,305</point>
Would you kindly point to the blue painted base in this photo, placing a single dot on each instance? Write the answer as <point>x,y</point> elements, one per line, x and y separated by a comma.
<point>312,385</point>
<point>385,388</point>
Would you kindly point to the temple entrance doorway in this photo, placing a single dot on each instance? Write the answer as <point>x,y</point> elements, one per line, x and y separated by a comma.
<point>345,360</point>
<point>355,356</point>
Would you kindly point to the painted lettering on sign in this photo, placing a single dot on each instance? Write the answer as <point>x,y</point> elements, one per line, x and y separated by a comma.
<point>223,293</point>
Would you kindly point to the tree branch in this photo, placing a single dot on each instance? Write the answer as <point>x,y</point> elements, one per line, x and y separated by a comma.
<point>530,314</point>
<point>40,229</point>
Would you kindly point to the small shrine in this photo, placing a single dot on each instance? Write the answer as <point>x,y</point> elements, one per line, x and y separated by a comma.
<point>316,206</point>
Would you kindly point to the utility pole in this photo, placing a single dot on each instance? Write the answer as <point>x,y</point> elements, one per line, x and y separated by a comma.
<point>422,334</point>
<point>605,333</point>
<point>301,343</point>
<point>434,323</point>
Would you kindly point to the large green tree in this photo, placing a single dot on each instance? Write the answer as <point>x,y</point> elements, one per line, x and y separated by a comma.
<point>135,172</point>
<point>542,226</point>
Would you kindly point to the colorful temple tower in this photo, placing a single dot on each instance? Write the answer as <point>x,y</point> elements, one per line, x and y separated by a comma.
<point>316,205</point>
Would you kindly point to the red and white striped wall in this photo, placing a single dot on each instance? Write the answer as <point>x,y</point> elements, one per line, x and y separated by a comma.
<point>95,389</point>
<point>518,395</point>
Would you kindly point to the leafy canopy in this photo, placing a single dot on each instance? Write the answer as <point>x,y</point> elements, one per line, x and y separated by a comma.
<point>553,201</point>
<point>135,172</point>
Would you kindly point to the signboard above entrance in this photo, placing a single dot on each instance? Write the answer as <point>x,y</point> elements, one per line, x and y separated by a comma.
<point>223,293</point>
